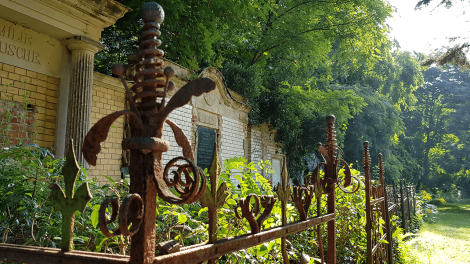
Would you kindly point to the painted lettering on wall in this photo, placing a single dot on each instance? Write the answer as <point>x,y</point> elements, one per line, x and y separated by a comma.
<point>15,33</point>
<point>19,52</point>
<point>13,41</point>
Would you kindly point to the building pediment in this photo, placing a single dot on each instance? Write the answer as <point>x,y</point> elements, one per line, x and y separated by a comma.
<point>221,101</point>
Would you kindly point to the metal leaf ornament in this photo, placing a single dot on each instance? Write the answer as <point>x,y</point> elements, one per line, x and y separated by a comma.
<point>149,111</point>
<point>68,202</point>
<point>180,181</point>
<point>214,197</point>
<point>332,154</point>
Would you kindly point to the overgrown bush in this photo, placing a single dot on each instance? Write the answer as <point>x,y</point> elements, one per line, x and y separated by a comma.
<point>27,216</point>
<point>26,213</point>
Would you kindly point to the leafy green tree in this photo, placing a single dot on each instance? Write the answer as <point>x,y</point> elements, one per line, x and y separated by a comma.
<point>438,124</point>
<point>387,88</point>
<point>379,123</point>
<point>283,55</point>
<point>252,31</point>
<point>454,55</point>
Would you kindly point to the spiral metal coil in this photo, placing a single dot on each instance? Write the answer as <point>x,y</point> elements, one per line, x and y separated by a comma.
<point>189,188</point>
<point>148,69</point>
<point>130,212</point>
<point>331,144</point>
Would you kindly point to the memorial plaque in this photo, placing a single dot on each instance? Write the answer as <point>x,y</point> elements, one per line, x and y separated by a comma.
<point>205,146</point>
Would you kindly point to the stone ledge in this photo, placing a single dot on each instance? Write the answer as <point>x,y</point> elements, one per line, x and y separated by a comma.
<point>64,18</point>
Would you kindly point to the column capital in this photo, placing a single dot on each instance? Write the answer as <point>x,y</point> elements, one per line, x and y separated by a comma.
<point>84,43</point>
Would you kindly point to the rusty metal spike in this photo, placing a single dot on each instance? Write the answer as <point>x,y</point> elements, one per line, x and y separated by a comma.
<point>369,193</point>
<point>331,178</point>
<point>283,193</point>
<point>381,166</point>
<point>381,176</point>
<point>214,197</point>
<point>366,157</point>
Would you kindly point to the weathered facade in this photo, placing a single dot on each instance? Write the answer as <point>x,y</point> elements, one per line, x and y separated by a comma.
<point>46,53</point>
<point>46,69</point>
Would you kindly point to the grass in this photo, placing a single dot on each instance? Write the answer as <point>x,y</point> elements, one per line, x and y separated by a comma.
<point>446,241</point>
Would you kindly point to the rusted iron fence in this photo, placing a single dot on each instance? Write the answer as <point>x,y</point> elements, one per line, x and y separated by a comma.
<point>182,182</point>
<point>404,198</point>
<point>384,205</point>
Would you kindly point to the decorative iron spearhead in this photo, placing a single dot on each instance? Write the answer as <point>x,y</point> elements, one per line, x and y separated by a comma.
<point>180,181</point>
<point>68,202</point>
<point>214,197</point>
<point>283,193</point>
<point>333,160</point>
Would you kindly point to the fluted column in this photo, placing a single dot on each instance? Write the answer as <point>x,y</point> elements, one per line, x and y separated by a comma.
<point>80,93</point>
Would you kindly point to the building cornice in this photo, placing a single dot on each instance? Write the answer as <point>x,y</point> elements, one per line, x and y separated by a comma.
<point>63,19</point>
<point>230,98</point>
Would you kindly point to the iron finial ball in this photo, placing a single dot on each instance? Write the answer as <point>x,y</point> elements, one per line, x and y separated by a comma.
<point>169,72</point>
<point>330,119</point>
<point>152,11</point>
<point>366,143</point>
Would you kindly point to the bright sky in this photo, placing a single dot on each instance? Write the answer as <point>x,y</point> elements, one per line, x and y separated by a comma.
<point>426,29</point>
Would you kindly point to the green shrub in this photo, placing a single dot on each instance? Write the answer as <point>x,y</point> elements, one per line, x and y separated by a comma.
<point>26,213</point>
<point>27,216</point>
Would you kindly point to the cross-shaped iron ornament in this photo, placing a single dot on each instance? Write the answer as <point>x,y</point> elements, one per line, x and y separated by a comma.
<point>332,161</point>
<point>148,113</point>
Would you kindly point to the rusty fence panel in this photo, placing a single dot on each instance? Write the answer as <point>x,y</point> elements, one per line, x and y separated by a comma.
<point>399,201</point>
<point>180,181</point>
<point>378,227</point>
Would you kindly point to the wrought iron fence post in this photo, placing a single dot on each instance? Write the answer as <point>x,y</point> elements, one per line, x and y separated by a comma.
<point>388,226</point>
<point>408,190</point>
<point>366,165</point>
<point>214,198</point>
<point>332,161</point>
<point>148,112</point>
<point>283,192</point>
<point>331,177</point>
<point>402,202</point>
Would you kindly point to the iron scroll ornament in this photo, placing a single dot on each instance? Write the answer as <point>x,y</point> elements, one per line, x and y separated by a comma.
<point>131,211</point>
<point>149,109</point>
<point>330,152</point>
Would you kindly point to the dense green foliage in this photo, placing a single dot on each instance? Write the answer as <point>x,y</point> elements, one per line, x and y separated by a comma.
<point>299,61</point>
<point>28,217</point>
<point>437,129</point>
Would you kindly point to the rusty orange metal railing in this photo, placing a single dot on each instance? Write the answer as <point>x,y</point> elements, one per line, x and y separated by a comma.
<point>136,215</point>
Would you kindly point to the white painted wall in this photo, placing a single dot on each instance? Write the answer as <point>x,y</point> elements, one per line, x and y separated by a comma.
<point>182,117</point>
